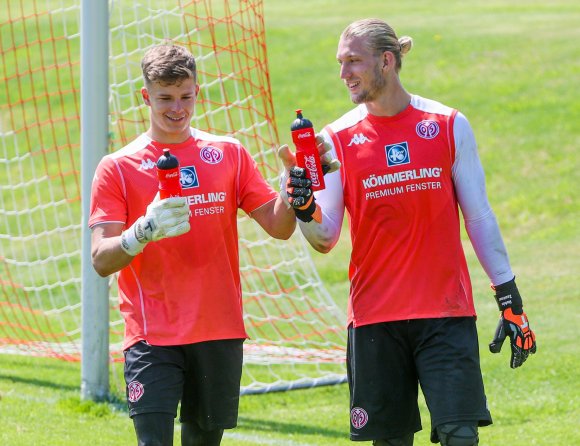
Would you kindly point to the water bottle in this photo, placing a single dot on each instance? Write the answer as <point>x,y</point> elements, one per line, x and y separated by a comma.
<point>168,174</point>
<point>307,155</point>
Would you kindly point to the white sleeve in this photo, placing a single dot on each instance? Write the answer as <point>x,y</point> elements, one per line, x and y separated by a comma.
<point>324,236</point>
<point>480,221</point>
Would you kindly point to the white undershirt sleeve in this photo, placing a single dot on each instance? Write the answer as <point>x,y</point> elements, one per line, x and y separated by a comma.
<point>324,236</point>
<point>480,222</point>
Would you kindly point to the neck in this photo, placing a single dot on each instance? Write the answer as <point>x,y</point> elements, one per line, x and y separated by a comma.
<point>393,101</point>
<point>168,138</point>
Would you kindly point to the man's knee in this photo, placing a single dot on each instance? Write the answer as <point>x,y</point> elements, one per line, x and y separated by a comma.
<point>458,434</point>
<point>193,435</point>
<point>407,440</point>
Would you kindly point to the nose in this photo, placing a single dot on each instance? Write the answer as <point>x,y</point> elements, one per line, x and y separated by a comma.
<point>344,71</point>
<point>176,105</point>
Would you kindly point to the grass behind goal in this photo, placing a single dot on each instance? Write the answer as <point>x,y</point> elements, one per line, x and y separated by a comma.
<point>513,69</point>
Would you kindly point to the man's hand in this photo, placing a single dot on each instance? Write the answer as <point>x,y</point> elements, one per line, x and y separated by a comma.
<point>296,189</point>
<point>329,164</point>
<point>164,218</point>
<point>513,323</point>
<point>301,197</point>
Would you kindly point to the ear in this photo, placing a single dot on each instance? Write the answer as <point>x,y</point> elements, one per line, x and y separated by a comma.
<point>388,60</point>
<point>145,95</point>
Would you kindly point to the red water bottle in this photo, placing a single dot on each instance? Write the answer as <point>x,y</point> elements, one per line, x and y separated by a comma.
<point>168,174</point>
<point>307,155</point>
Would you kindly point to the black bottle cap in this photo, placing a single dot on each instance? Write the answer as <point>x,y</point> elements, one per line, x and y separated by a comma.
<point>300,122</point>
<point>167,161</point>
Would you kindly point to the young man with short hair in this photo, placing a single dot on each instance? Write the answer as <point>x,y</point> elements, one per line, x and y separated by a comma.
<point>177,258</point>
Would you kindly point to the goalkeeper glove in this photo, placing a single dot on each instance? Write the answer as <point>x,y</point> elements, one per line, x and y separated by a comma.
<point>513,322</point>
<point>295,187</point>
<point>164,218</point>
<point>301,197</point>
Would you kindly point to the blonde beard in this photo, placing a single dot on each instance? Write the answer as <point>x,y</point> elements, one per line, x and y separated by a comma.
<point>378,85</point>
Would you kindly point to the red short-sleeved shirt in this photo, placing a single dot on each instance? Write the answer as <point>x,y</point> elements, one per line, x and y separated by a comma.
<point>183,289</point>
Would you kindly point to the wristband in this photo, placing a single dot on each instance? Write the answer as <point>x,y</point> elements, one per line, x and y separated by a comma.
<point>129,242</point>
<point>305,213</point>
<point>508,296</point>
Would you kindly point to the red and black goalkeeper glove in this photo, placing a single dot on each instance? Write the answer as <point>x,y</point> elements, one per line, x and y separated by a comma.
<point>513,323</point>
<point>301,197</point>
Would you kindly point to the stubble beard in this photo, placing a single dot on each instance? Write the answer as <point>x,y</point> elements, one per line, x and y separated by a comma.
<point>373,91</point>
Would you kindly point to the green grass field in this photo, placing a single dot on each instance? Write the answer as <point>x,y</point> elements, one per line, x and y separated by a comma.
<point>513,68</point>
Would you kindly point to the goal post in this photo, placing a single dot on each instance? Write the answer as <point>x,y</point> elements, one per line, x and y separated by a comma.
<point>48,94</point>
<point>94,145</point>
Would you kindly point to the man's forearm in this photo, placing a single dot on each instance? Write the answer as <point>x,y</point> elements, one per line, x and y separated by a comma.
<point>108,256</point>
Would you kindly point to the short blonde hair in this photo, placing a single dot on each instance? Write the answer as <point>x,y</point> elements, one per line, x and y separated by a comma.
<point>380,37</point>
<point>168,65</point>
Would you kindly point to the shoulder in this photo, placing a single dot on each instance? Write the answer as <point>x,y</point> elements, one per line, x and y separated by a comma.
<point>134,147</point>
<point>460,122</point>
<point>349,119</point>
<point>464,136</point>
<point>130,154</point>
<point>134,157</point>
<point>431,106</point>
<point>216,146</point>
<point>200,135</point>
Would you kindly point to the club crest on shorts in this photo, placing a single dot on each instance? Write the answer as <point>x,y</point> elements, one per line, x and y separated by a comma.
<point>211,154</point>
<point>358,417</point>
<point>188,177</point>
<point>397,154</point>
<point>135,391</point>
<point>427,129</point>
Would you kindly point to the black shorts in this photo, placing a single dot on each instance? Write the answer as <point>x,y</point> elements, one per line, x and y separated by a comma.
<point>204,376</point>
<point>387,361</point>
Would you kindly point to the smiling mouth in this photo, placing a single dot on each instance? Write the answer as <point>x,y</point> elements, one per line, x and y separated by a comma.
<point>352,85</point>
<point>175,119</point>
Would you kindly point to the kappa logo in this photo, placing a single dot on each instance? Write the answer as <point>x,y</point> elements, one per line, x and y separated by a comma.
<point>188,177</point>
<point>358,417</point>
<point>147,164</point>
<point>135,391</point>
<point>397,154</point>
<point>358,139</point>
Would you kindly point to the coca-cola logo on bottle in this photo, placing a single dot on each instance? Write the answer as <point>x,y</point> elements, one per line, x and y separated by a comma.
<point>310,164</point>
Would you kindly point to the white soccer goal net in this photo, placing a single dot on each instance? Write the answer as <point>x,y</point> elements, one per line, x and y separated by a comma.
<point>297,335</point>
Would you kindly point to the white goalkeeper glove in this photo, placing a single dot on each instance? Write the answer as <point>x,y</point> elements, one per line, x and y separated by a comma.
<point>164,218</point>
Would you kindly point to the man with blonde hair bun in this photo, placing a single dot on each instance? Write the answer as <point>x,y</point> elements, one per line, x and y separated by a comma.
<point>408,165</point>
